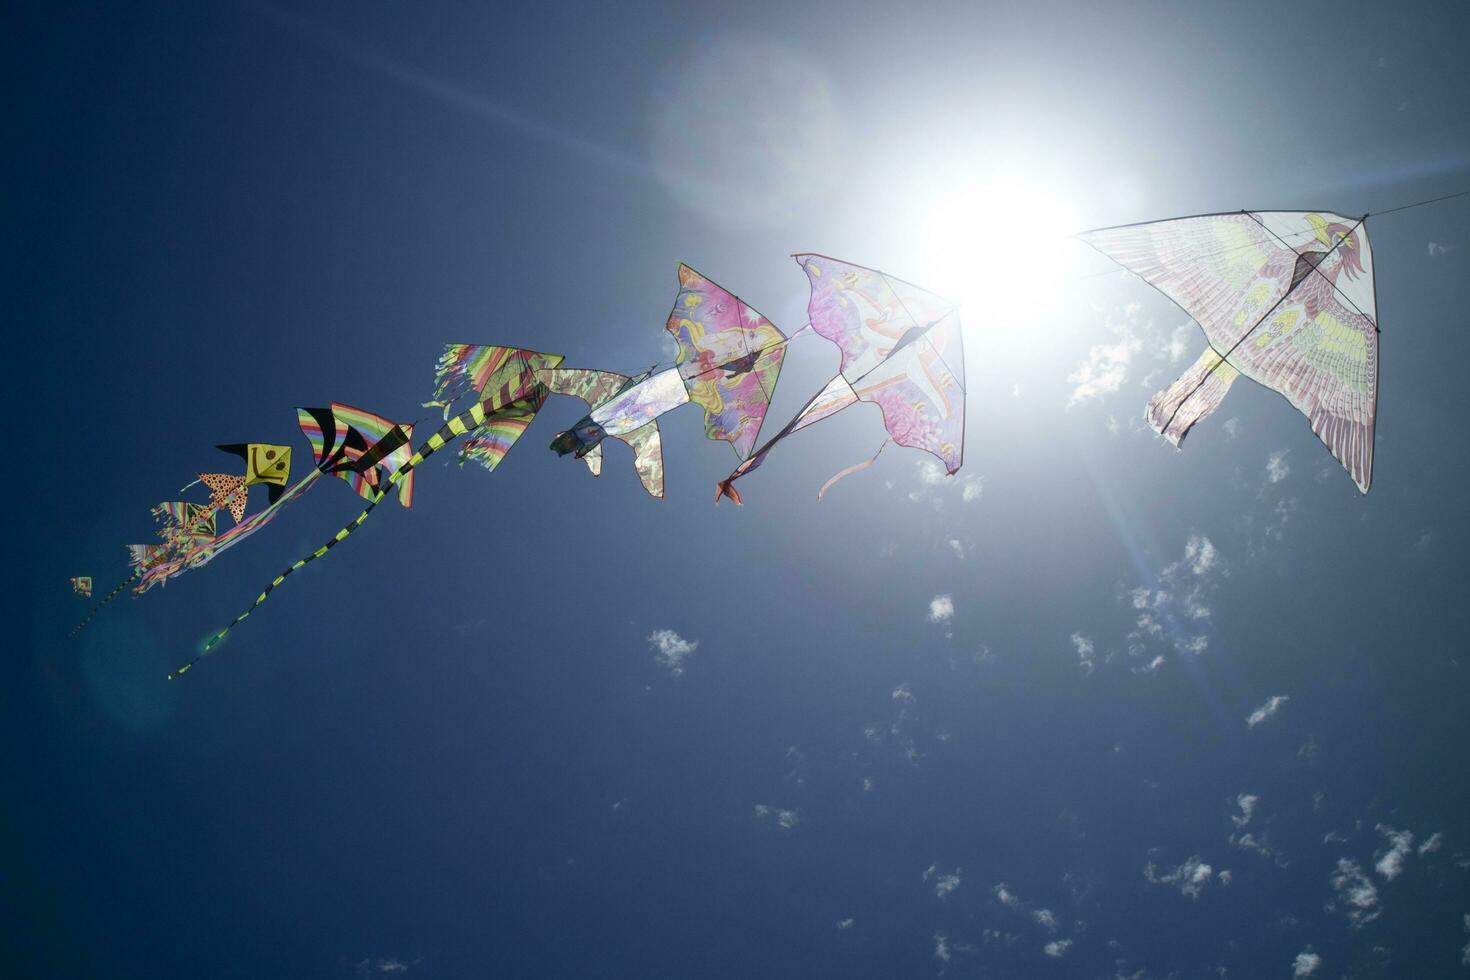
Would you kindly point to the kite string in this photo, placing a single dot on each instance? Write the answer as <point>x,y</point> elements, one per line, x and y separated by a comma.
<point>1420,204</point>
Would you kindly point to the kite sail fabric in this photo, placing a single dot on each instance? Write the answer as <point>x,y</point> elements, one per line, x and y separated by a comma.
<point>82,585</point>
<point>499,375</point>
<point>183,524</point>
<point>1285,298</point>
<point>375,448</point>
<point>514,397</point>
<point>901,350</point>
<point>622,407</point>
<point>729,358</point>
<point>264,463</point>
<point>227,491</point>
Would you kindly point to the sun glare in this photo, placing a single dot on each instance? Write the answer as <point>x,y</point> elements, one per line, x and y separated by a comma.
<point>998,247</point>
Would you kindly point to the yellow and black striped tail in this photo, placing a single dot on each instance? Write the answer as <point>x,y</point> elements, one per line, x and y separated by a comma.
<point>97,607</point>
<point>457,426</point>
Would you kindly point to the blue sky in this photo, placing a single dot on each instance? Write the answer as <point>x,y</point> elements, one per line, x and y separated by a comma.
<point>1091,708</point>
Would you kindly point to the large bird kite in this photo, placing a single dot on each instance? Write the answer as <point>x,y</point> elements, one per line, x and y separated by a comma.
<point>1285,298</point>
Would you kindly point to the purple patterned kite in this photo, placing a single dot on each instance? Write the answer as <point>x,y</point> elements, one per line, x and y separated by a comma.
<point>901,350</point>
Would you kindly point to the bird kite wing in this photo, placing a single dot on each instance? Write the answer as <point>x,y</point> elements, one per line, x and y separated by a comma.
<point>1285,298</point>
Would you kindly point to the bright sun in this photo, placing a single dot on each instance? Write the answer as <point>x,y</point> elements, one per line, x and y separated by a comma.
<point>999,247</point>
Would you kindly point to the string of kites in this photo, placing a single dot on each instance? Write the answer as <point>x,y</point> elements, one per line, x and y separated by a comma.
<point>1285,298</point>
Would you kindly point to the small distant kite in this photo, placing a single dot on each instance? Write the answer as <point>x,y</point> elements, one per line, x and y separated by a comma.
<point>901,350</point>
<point>82,585</point>
<point>1285,298</point>
<point>375,456</point>
<point>729,361</point>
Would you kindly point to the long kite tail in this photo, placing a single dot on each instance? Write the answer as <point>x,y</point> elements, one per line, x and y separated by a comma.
<point>456,426</point>
<point>97,607</point>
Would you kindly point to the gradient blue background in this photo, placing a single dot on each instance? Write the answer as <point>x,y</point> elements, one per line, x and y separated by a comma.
<point>449,749</point>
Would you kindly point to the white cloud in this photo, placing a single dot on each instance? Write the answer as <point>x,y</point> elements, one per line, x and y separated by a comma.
<point>944,881</point>
<point>1045,919</point>
<point>1305,964</point>
<point>1200,554</point>
<point>1277,468</point>
<point>1005,896</point>
<point>1400,845</point>
<point>1085,651</point>
<point>1190,878</point>
<point>1225,877</point>
<point>1057,948</point>
<point>671,649</point>
<point>974,486</point>
<point>1106,369</point>
<point>941,947</point>
<point>903,693</point>
<point>958,547</point>
<point>1431,844</point>
<point>1232,429</point>
<point>845,923</point>
<point>1178,343</point>
<point>1353,893</point>
<point>1435,248</point>
<point>1268,710</point>
<point>941,608</point>
<point>1247,803</point>
<point>785,819</point>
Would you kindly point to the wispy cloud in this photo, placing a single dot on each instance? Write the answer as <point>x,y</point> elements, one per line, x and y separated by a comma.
<point>1046,919</point>
<point>845,924</point>
<point>1232,429</point>
<point>1190,878</point>
<point>1400,845</point>
<point>1085,651</point>
<point>1247,803</point>
<point>1431,844</point>
<point>1268,710</point>
<point>941,608</point>
<point>1277,468</point>
<point>1305,964</point>
<point>1106,369</point>
<point>1057,948</point>
<point>1005,896</point>
<point>785,819</point>
<point>1353,894</point>
<point>941,947</point>
<point>1435,248</point>
<point>671,649</point>
<point>945,882</point>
